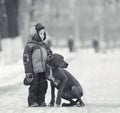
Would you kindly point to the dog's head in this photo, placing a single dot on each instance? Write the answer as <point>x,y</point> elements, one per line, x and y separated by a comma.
<point>57,61</point>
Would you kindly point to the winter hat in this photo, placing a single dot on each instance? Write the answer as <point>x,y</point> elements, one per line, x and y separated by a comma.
<point>39,26</point>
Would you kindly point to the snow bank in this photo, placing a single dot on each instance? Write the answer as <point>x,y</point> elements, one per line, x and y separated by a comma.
<point>11,74</point>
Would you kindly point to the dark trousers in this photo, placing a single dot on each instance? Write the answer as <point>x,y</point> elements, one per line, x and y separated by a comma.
<point>37,89</point>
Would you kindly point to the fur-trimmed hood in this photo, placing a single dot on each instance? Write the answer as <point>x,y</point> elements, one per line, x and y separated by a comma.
<point>37,38</point>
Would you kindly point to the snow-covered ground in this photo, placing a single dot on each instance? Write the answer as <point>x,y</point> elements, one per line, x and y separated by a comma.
<point>99,74</point>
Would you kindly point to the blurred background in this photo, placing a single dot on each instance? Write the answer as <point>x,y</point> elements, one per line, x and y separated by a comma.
<point>72,23</point>
<point>80,23</point>
<point>85,32</point>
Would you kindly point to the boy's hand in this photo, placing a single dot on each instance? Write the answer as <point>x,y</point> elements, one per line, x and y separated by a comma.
<point>29,75</point>
<point>28,79</point>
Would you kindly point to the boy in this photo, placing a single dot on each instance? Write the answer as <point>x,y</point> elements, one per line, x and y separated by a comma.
<point>34,58</point>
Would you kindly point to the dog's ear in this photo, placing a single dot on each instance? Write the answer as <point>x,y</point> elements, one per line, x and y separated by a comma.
<point>50,57</point>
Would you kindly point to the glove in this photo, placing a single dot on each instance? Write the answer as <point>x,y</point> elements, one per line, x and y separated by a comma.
<point>28,79</point>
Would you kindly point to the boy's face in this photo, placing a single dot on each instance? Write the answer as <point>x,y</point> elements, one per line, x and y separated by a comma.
<point>41,34</point>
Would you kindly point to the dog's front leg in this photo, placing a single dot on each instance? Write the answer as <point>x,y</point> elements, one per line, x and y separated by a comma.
<point>60,90</point>
<point>52,95</point>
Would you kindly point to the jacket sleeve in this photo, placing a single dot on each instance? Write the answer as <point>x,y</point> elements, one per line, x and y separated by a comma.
<point>27,60</point>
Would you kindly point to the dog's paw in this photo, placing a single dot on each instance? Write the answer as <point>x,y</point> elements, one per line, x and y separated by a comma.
<point>50,105</point>
<point>57,105</point>
<point>67,104</point>
<point>80,104</point>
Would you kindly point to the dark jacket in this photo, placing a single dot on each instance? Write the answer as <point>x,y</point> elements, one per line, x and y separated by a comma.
<point>35,55</point>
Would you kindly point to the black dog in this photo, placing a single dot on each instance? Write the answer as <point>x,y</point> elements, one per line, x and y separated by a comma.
<point>68,87</point>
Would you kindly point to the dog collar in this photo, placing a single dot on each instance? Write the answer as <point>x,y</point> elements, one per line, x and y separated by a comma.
<point>50,66</point>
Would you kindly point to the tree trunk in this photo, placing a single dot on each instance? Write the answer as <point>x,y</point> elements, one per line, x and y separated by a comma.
<point>12,16</point>
<point>11,42</point>
<point>3,22</point>
<point>24,19</point>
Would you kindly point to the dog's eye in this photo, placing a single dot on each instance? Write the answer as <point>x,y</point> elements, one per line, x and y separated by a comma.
<point>50,57</point>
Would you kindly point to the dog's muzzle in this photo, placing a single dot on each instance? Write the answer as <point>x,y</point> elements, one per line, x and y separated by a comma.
<point>66,65</point>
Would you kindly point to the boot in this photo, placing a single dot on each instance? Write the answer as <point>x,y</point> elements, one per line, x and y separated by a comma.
<point>34,105</point>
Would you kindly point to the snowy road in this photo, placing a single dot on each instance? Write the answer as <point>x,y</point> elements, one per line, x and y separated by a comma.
<point>99,75</point>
